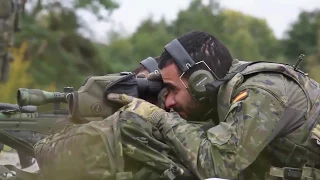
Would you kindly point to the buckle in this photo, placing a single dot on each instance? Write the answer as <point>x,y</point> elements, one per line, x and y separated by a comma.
<point>292,173</point>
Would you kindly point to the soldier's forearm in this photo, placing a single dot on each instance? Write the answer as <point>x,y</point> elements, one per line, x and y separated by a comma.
<point>228,148</point>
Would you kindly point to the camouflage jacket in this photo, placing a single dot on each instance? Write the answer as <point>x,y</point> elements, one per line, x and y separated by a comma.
<point>266,113</point>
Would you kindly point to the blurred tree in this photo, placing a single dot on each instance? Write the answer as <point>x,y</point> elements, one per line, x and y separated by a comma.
<point>199,16</point>
<point>301,38</point>
<point>19,76</point>
<point>149,40</point>
<point>244,46</point>
<point>313,61</point>
<point>58,53</point>
<point>119,55</point>
<point>248,38</point>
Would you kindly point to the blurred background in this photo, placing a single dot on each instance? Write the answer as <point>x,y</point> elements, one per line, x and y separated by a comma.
<point>61,42</point>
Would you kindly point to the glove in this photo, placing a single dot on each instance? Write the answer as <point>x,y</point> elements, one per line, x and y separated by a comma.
<point>162,98</point>
<point>148,111</point>
<point>163,93</point>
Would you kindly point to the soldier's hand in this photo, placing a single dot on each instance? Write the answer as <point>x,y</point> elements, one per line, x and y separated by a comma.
<point>141,107</point>
<point>154,76</point>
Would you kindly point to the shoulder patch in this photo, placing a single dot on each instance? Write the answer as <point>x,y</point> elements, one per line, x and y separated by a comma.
<point>241,96</point>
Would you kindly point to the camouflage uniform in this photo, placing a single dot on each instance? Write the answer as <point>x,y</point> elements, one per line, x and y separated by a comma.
<point>30,137</point>
<point>266,115</point>
<point>8,13</point>
<point>130,148</point>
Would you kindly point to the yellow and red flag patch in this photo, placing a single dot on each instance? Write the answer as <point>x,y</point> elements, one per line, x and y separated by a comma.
<point>241,96</point>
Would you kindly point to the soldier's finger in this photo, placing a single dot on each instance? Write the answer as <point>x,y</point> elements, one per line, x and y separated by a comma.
<point>141,75</point>
<point>154,76</point>
<point>120,98</point>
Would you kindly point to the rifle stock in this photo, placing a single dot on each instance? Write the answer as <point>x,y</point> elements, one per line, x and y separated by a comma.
<point>23,122</point>
<point>35,122</point>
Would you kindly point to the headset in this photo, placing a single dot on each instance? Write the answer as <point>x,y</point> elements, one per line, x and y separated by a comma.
<point>151,65</point>
<point>199,73</point>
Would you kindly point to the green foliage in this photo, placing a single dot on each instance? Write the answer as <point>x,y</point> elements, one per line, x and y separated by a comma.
<point>124,54</point>
<point>199,16</point>
<point>313,61</point>
<point>96,6</point>
<point>252,33</point>
<point>302,37</point>
<point>244,35</point>
<point>58,56</point>
<point>19,76</point>
<point>57,52</point>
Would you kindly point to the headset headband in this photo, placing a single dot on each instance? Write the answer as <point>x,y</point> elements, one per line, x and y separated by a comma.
<point>179,55</point>
<point>150,64</point>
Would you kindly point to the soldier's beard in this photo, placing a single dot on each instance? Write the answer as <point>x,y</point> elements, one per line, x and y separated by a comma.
<point>193,111</point>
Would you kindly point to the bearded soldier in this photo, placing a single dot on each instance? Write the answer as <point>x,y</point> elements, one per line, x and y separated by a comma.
<point>267,114</point>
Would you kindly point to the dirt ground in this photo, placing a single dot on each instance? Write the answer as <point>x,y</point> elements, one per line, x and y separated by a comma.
<point>12,158</point>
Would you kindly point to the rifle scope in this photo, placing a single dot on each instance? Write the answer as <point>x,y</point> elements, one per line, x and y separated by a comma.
<point>38,97</point>
<point>90,100</point>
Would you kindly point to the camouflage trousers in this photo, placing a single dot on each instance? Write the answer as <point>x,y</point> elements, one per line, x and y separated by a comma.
<point>143,153</point>
<point>306,173</point>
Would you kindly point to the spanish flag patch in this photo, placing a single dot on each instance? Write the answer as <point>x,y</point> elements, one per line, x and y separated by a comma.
<point>241,96</point>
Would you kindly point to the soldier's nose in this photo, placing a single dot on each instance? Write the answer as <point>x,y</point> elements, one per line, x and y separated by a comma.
<point>170,102</point>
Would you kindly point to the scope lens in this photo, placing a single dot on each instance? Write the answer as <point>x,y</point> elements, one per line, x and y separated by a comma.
<point>19,97</point>
<point>71,103</point>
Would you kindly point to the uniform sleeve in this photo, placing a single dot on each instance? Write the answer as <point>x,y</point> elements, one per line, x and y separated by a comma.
<point>228,148</point>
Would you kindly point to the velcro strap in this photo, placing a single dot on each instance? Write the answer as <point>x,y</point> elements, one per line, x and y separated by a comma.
<point>155,117</point>
<point>286,173</point>
<point>309,173</point>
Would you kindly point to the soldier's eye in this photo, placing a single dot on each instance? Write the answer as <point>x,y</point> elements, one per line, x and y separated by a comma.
<point>172,88</point>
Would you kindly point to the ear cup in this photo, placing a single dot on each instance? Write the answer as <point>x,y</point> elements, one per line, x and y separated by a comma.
<point>198,79</point>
